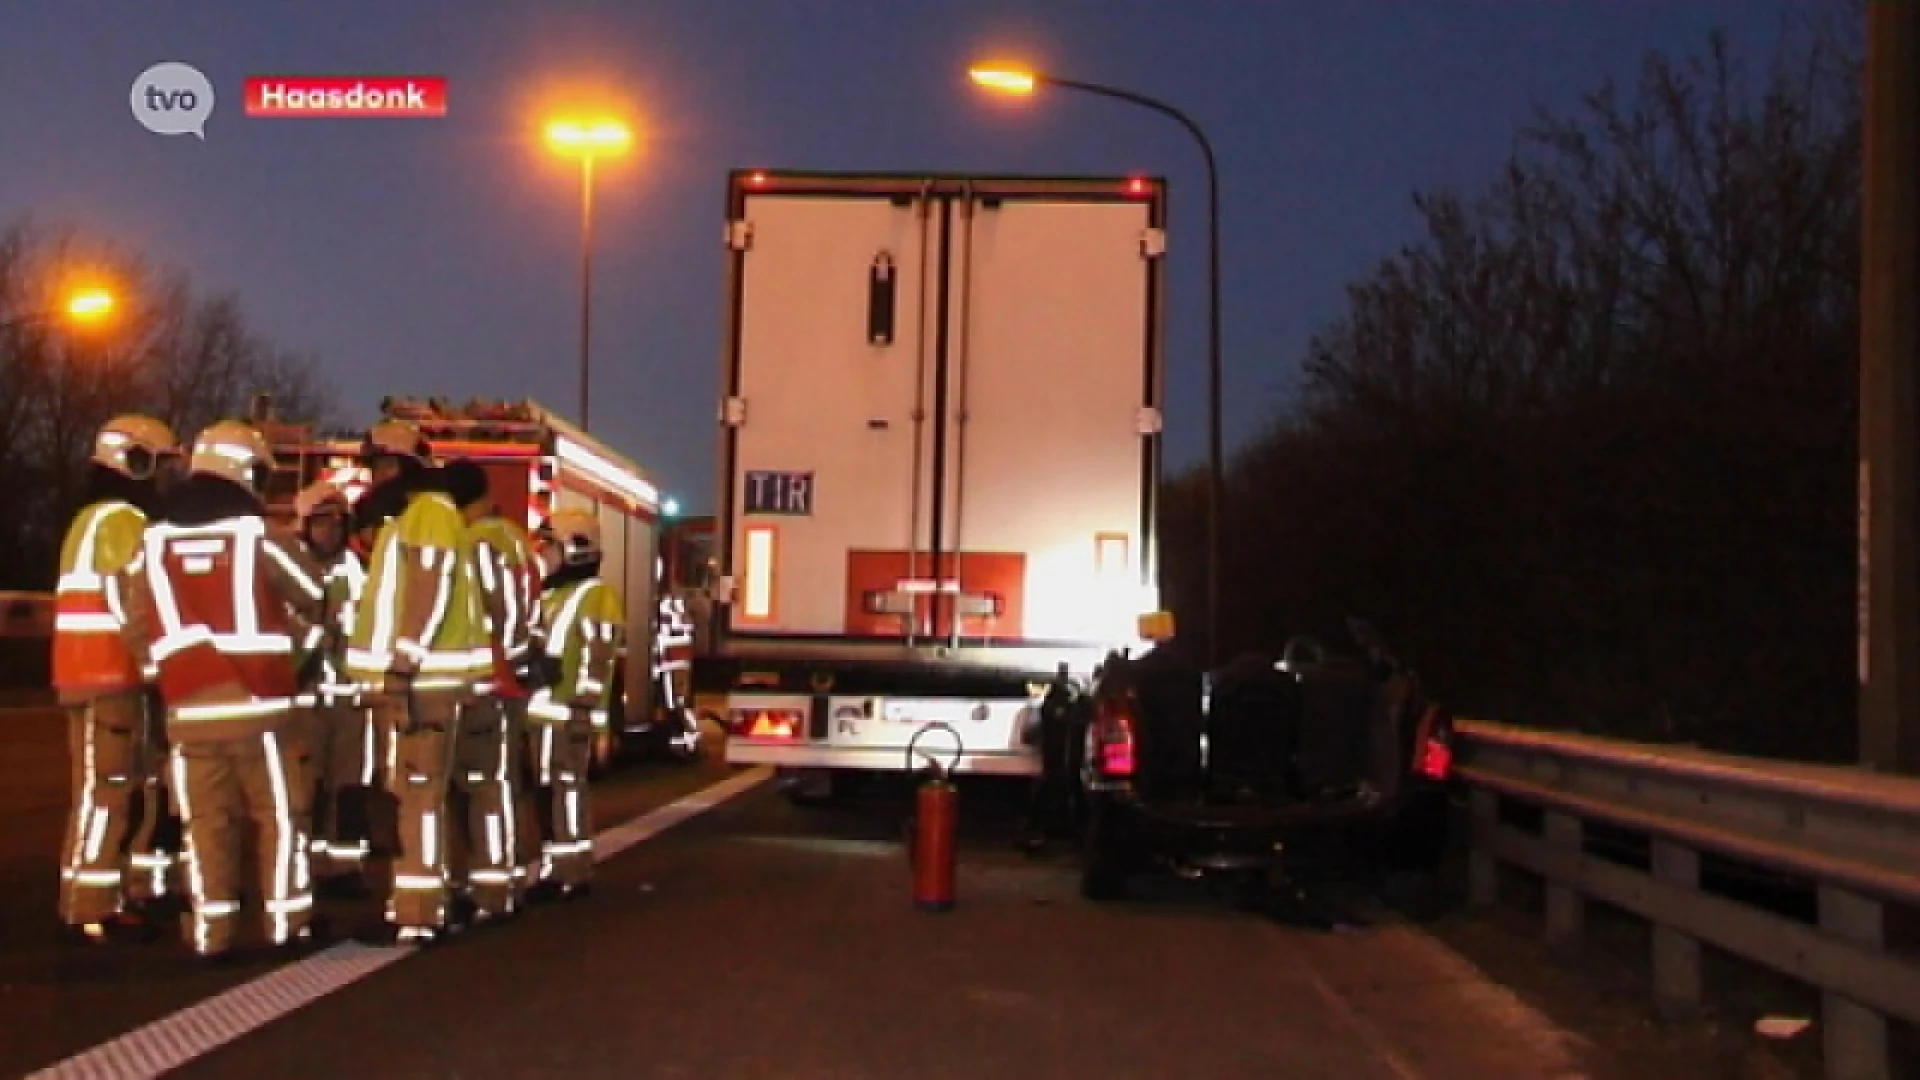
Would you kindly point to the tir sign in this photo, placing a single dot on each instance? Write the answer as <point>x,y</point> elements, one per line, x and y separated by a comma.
<point>785,493</point>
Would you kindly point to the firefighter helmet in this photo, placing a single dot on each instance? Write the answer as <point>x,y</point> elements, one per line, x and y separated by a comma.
<point>320,498</point>
<point>134,445</point>
<point>576,533</point>
<point>233,450</point>
<point>395,438</point>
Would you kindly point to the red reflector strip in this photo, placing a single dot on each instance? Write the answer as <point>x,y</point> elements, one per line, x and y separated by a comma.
<point>1436,760</point>
<point>772,725</point>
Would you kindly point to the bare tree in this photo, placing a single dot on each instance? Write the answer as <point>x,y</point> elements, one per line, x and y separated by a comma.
<point>169,352</point>
<point>1587,442</point>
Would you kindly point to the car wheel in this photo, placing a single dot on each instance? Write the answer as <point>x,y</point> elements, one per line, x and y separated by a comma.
<point>1104,861</point>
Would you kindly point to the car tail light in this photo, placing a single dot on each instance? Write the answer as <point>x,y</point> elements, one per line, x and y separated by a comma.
<point>1433,744</point>
<point>766,723</point>
<point>1113,728</point>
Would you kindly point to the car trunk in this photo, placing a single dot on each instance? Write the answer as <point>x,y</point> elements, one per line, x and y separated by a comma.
<point>1270,747</point>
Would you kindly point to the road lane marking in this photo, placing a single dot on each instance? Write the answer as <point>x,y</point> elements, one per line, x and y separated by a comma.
<point>180,1037</point>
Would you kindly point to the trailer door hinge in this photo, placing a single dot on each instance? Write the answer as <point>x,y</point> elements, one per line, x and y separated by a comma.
<point>1148,422</point>
<point>1153,243</point>
<point>733,412</point>
<point>739,235</point>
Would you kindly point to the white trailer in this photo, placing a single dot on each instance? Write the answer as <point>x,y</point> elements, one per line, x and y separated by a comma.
<point>939,457</point>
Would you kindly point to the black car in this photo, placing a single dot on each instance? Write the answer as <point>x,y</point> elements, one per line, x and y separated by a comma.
<point>1275,767</point>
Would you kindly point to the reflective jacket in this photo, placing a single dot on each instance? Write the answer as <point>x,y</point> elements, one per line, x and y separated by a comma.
<point>510,592</point>
<point>341,582</point>
<point>216,607</point>
<point>586,627</point>
<point>419,612</point>
<point>89,655</point>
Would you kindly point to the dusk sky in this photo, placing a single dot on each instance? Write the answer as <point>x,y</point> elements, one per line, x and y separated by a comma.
<point>439,256</point>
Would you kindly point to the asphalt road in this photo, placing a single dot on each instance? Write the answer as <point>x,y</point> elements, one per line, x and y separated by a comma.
<point>763,940</point>
<point>57,1000</point>
<point>759,939</point>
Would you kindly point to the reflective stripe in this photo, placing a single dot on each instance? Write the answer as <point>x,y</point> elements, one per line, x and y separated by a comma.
<point>69,622</point>
<point>258,707</point>
<point>240,538</point>
<point>543,706</point>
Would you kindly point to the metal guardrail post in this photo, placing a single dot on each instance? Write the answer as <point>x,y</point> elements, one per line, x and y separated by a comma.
<point>1677,976</point>
<point>1856,1035</point>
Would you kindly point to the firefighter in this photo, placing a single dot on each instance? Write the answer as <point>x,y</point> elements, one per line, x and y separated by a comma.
<point>489,758</point>
<point>113,734</point>
<point>419,649</point>
<point>215,605</point>
<point>340,728</point>
<point>584,620</point>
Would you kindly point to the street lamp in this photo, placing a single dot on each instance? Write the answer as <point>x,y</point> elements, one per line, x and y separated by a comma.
<point>86,309</point>
<point>587,140</point>
<point>1021,82</point>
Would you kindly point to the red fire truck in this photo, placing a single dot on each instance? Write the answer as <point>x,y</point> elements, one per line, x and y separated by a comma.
<point>538,463</point>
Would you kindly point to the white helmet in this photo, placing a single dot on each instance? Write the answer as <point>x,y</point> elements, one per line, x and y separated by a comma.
<point>236,451</point>
<point>134,445</point>
<point>576,533</point>
<point>319,498</point>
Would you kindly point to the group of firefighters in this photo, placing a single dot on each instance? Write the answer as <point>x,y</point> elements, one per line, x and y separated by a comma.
<point>401,675</point>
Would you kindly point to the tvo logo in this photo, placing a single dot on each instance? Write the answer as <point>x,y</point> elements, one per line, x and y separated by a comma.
<point>172,99</point>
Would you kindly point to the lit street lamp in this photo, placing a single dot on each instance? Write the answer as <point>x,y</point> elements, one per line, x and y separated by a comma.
<point>85,309</point>
<point>1016,81</point>
<point>587,140</point>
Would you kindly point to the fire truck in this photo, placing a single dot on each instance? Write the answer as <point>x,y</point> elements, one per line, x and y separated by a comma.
<point>537,463</point>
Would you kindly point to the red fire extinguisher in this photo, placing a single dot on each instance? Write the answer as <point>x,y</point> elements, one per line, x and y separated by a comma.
<point>932,842</point>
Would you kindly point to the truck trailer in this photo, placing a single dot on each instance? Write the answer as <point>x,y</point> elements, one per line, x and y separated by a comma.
<point>940,449</point>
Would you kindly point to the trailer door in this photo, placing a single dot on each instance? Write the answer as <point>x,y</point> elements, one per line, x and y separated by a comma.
<point>826,423</point>
<point>1051,419</point>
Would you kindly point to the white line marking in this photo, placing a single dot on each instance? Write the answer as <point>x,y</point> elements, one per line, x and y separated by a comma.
<point>180,1037</point>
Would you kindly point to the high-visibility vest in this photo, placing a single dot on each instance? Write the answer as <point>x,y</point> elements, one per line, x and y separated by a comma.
<point>88,651</point>
<point>510,580</point>
<point>341,583</point>
<point>421,602</point>
<point>586,624</point>
<point>221,630</point>
<point>672,638</point>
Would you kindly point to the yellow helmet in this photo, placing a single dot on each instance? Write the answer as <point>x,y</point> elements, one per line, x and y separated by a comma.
<point>233,450</point>
<point>576,533</point>
<point>134,445</point>
<point>395,438</point>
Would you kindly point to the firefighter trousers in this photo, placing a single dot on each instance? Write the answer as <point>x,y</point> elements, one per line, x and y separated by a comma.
<point>486,771</point>
<point>222,785</point>
<point>561,756</point>
<point>345,755</point>
<point>422,729</point>
<point>109,855</point>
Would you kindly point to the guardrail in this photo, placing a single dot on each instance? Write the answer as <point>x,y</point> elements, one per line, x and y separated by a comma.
<point>1854,834</point>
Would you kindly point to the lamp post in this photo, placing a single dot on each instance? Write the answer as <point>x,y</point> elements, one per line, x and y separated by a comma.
<point>1889,627</point>
<point>1006,80</point>
<point>587,140</point>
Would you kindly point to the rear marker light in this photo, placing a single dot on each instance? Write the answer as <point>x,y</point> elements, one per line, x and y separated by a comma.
<point>766,723</point>
<point>1435,745</point>
<point>1113,734</point>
